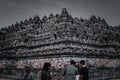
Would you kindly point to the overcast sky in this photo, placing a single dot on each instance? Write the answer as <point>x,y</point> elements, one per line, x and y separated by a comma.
<point>12,11</point>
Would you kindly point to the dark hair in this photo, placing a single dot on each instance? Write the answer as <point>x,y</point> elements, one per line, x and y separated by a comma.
<point>82,62</point>
<point>45,67</point>
<point>28,69</point>
<point>72,62</point>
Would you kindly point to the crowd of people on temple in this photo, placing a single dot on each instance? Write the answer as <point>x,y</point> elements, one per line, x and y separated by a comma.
<point>71,71</point>
<point>58,70</point>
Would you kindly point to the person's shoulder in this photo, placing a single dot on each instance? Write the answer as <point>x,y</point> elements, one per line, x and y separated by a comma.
<point>84,68</point>
<point>31,74</point>
<point>43,71</point>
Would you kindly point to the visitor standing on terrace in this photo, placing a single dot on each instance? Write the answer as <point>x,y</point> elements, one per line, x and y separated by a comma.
<point>84,73</point>
<point>45,74</point>
<point>70,71</point>
<point>28,74</point>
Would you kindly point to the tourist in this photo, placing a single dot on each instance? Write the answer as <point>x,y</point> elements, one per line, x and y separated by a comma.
<point>84,74</point>
<point>28,74</point>
<point>70,71</point>
<point>78,69</point>
<point>45,74</point>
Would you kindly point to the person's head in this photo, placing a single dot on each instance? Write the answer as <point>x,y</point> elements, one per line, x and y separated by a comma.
<point>46,66</point>
<point>72,62</point>
<point>82,62</point>
<point>28,69</point>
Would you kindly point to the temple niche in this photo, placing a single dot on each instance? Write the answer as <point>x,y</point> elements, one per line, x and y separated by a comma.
<point>58,39</point>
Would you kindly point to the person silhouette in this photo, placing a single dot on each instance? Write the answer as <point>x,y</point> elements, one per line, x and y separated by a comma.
<point>70,71</point>
<point>28,74</point>
<point>84,73</point>
<point>45,74</point>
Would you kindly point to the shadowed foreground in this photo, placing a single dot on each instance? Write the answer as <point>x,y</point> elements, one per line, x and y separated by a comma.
<point>5,79</point>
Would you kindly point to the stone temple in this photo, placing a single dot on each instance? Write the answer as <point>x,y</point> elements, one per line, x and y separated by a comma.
<point>58,39</point>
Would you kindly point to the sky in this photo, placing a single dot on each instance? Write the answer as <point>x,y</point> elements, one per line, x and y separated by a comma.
<point>12,11</point>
